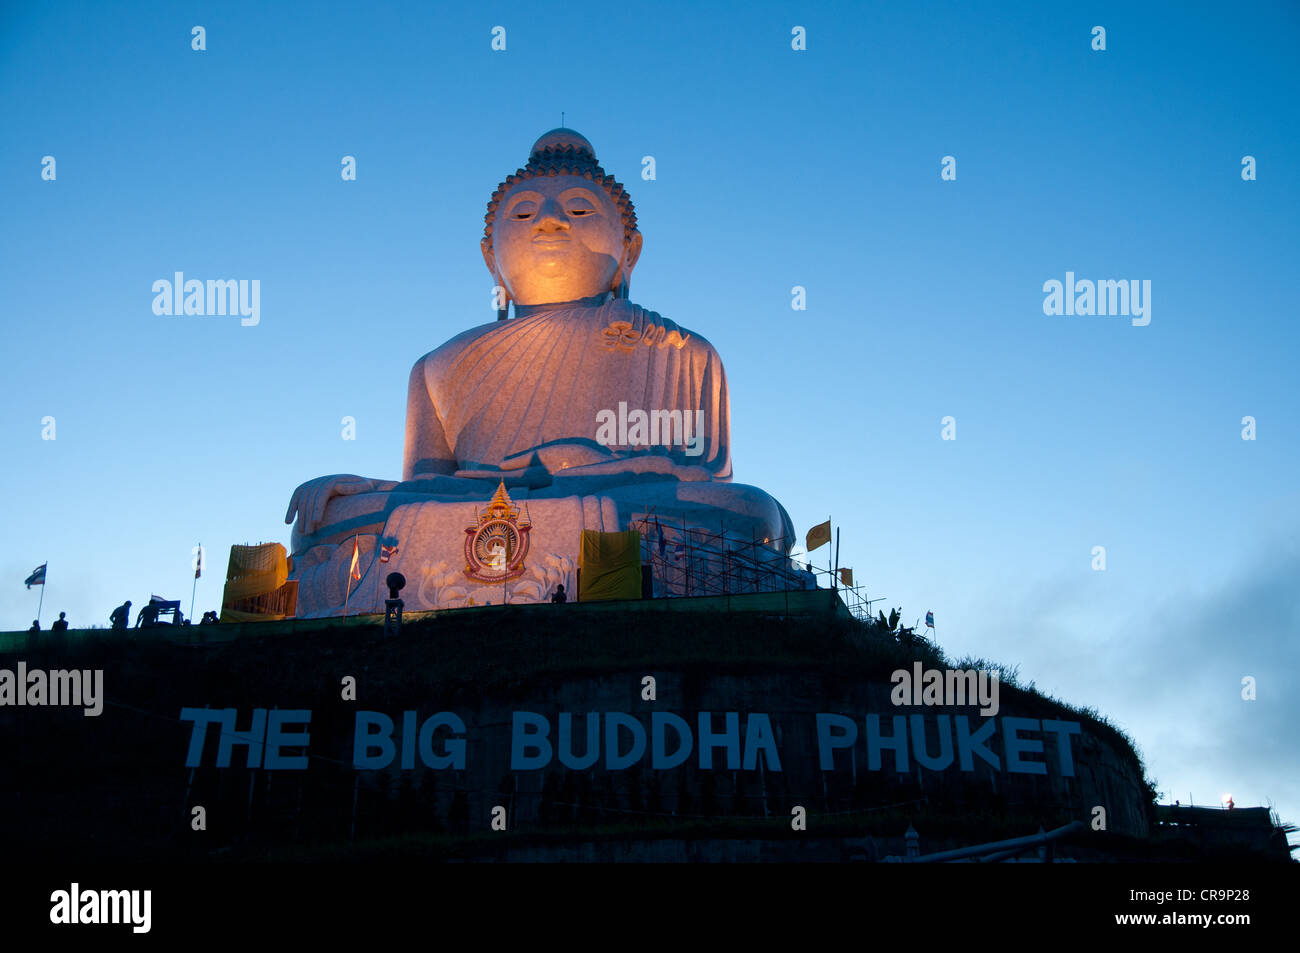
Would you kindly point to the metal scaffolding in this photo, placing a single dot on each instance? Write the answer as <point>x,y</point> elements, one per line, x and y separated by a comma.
<point>694,561</point>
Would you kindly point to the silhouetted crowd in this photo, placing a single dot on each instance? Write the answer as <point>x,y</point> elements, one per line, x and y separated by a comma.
<point>60,624</point>
<point>120,618</point>
<point>148,616</point>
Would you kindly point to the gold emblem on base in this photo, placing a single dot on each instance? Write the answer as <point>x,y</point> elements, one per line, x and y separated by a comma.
<point>496,543</point>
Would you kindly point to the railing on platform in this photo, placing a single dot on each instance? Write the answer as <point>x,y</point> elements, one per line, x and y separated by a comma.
<point>992,852</point>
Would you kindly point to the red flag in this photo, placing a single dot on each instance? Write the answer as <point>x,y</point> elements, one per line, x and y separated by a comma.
<point>355,571</point>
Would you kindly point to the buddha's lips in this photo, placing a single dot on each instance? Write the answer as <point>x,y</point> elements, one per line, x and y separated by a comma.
<point>550,241</point>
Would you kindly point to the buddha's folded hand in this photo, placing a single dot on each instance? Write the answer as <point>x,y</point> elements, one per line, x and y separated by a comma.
<point>560,455</point>
<point>310,499</point>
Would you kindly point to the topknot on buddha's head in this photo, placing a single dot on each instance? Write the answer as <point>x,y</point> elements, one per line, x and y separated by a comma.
<point>560,140</point>
<point>564,152</point>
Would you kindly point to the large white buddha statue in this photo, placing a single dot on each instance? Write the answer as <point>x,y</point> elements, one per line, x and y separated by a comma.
<point>582,411</point>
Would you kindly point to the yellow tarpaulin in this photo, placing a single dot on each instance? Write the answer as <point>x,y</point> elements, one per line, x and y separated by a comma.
<point>611,566</point>
<point>256,584</point>
<point>271,607</point>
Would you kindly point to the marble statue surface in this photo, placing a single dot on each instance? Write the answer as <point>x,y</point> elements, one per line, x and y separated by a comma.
<point>589,410</point>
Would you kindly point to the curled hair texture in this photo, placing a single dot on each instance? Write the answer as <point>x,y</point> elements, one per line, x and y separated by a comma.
<point>565,160</point>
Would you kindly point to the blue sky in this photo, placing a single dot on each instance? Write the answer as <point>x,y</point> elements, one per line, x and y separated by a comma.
<point>775,168</point>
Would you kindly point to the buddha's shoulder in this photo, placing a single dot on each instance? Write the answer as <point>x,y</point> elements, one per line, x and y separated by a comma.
<point>453,347</point>
<point>618,320</point>
<point>651,327</point>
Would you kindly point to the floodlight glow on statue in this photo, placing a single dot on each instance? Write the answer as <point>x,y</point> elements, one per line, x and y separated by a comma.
<point>516,403</point>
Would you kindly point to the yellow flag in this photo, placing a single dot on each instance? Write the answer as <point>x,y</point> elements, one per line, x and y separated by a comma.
<point>846,577</point>
<point>355,570</point>
<point>819,535</point>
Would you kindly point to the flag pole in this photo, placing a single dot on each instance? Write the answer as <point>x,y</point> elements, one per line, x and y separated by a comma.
<point>349,592</point>
<point>198,568</point>
<point>40,605</point>
<point>835,573</point>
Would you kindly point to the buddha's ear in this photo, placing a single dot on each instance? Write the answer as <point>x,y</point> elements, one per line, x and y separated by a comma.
<point>489,257</point>
<point>631,252</point>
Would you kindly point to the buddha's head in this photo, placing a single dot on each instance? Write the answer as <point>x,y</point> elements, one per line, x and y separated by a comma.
<point>560,229</point>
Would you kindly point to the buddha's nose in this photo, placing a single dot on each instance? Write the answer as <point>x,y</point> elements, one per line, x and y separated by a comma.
<point>551,218</point>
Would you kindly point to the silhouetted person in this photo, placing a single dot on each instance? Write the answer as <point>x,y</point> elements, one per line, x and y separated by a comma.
<point>60,624</point>
<point>148,615</point>
<point>36,627</point>
<point>209,618</point>
<point>559,596</point>
<point>121,615</point>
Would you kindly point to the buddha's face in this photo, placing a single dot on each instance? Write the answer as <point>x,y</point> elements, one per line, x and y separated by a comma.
<point>559,238</point>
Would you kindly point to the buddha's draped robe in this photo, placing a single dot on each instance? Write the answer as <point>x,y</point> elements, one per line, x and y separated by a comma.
<point>509,388</point>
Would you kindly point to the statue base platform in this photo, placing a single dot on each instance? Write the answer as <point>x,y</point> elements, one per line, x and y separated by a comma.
<point>462,553</point>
